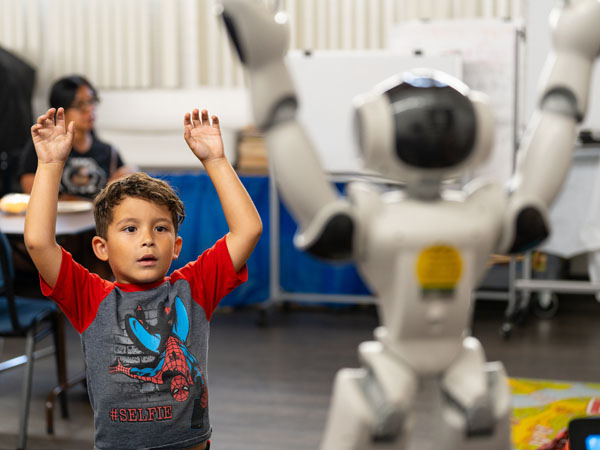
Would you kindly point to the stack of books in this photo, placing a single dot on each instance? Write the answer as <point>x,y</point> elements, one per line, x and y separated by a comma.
<point>252,153</point>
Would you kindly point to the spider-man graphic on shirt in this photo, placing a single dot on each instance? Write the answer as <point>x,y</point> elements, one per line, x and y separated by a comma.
<point>174,365</point>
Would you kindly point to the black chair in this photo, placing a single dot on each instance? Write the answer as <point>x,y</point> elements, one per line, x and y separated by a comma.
<point>29,318</point>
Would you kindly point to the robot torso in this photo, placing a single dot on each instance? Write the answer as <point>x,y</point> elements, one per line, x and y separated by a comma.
<point>423,260</point>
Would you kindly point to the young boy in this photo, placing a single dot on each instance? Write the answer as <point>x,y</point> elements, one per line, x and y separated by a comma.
<point>144,336</point>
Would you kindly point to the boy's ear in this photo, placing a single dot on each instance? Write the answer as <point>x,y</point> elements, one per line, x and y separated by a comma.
<point>177,247</point>
<point>100,248</point>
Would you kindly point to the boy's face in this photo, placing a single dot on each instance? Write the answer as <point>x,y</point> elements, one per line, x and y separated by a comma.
<point>140,242</point>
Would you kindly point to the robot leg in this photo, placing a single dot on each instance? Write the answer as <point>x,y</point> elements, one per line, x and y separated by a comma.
<point>476,405</point>
<point>370,406</point>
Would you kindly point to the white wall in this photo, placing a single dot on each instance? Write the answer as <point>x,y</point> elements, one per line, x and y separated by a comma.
<point>147,125</point>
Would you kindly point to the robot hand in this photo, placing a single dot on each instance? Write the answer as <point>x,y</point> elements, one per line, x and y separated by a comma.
<point>261,39</point>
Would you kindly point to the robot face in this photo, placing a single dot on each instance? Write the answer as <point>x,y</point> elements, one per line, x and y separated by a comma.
<point>434,124</point>
<point>421,124</point>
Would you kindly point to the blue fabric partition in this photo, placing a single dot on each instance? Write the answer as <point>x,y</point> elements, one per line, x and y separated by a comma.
<point>205,223</point>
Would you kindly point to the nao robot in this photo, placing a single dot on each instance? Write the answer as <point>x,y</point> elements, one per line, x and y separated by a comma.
<point>423,249</point>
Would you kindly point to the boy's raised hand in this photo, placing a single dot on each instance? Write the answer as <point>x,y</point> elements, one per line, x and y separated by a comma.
<point>203,138</point>
<point>52,140</point>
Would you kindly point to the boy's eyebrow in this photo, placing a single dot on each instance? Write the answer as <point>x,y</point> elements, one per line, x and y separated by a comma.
<point>164,221</point>
<point>135,220</point>
<point>125,220</point>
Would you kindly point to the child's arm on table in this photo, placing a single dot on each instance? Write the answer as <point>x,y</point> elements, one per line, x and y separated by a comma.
<point>245,226</point>
<point>52,145</point>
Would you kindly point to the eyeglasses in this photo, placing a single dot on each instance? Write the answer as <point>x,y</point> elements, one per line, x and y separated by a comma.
<point>82,104</point>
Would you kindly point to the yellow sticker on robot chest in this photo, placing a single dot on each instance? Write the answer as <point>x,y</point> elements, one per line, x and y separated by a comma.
<point>439,267</point>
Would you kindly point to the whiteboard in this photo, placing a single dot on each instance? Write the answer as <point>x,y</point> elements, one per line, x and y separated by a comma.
<point>328,81</point>
<point>488,48</point>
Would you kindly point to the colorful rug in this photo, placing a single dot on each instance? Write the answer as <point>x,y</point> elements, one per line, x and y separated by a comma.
<point>543,408</point>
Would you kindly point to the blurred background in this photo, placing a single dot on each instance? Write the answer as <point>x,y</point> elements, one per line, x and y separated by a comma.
<point>153,60</point>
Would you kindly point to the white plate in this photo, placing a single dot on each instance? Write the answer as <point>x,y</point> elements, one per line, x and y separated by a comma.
<point>73,206</point>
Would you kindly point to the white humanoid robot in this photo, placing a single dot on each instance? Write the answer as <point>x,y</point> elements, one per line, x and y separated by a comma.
<point>422,250</point>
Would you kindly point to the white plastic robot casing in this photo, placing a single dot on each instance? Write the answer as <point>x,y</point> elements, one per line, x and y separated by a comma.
<point>422,251</point>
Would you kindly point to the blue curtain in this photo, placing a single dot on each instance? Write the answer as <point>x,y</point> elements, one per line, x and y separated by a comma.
<point>205,223</point>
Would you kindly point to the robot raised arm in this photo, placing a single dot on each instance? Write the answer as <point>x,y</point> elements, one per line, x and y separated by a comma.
<point>545,154</point>
<point>325,220</point>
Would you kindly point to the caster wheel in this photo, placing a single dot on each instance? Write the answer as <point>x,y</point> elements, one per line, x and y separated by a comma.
<point>506,330</point>
<point>545,305</point>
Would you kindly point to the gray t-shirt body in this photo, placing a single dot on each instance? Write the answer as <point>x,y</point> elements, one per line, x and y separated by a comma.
<point>146,347</point>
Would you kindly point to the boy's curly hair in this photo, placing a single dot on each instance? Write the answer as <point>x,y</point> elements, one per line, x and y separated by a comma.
<point>138,185</point>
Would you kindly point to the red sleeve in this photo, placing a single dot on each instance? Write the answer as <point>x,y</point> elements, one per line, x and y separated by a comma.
<point>77,292</point>
<point>211,276</point>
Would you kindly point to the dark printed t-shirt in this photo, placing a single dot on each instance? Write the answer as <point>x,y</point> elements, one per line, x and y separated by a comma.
<point>85,174</point>
<point>146,347</point>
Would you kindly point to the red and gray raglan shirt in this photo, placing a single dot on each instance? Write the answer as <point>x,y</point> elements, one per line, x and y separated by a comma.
<point>145,347</point>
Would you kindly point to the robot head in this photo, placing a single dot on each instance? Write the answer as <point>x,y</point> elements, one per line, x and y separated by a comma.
<point>423,126</point>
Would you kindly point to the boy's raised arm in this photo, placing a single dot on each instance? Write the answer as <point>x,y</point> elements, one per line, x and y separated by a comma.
<point>52,145</point>
<point>245,226</point>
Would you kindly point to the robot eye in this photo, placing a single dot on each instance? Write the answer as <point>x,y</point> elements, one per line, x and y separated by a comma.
<point>434,125</point>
